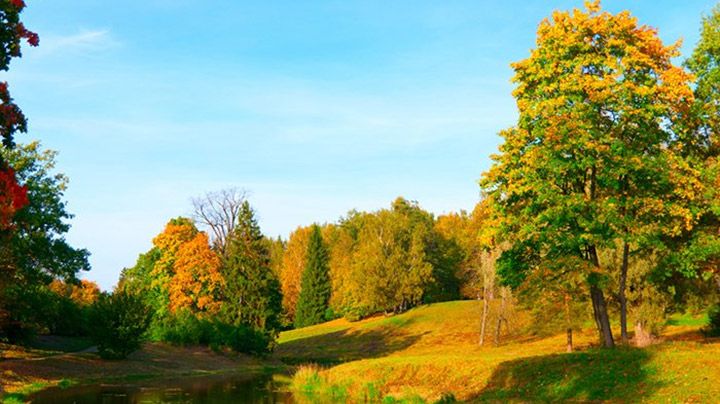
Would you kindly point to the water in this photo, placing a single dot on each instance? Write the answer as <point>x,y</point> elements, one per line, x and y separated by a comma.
<point>266,388</point>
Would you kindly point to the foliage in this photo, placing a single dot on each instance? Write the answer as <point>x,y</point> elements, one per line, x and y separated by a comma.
<point>315,291</point>
<point>197,281</point>
<point>117,324</point>
<point>293,264</point>
<point>252,292</point>
<point>13,197</point>
<point>593,160</point>
<point>390,262</point>
<point>704,63</point>
<point>36,252</point>
<point>713,325</point>
<point>38,243</point>
<point>12,32</point>
<point>185,328</point>
<point>83,293</point>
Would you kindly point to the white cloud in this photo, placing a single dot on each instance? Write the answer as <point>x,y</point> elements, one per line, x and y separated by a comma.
<point>85,41</point>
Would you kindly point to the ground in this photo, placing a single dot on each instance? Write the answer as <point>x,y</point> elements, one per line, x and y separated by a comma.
<point>426,354</point>
<point>432,352</point>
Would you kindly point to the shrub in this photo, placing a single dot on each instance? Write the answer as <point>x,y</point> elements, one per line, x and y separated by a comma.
<point>184,328</point>
<point>117,324</point>
<point>713,327</point>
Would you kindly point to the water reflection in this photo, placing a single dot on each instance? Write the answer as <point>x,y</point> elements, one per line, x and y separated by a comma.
<point>266,388</point>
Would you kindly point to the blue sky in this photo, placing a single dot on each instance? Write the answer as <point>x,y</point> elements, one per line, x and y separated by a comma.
<point>315,107</point>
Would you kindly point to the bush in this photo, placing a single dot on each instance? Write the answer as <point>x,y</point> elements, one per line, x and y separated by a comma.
<point>117,324</point>
<point>713,327</point>
<point>184,328</point>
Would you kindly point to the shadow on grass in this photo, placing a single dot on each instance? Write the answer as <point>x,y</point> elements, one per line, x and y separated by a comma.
<point>620,374</point>
<point>346,345</point>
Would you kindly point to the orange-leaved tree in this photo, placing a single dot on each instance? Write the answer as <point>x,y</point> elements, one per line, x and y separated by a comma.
<point>292,269</point>
<point>196,284</point>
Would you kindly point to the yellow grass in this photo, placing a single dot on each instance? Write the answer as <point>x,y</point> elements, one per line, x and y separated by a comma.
<point>433,351</point>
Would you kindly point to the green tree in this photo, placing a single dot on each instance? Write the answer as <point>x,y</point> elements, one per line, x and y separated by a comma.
<point>594,160</point>
<point>315,289</point>
<point>117,323</point>
<point>35,252</point>
<point>694,258</point>
<point>704,63</point>
<point>39,247</point>
<point>252,291</point>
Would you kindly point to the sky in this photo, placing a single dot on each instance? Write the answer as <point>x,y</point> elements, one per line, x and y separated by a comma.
<point>313,107</point>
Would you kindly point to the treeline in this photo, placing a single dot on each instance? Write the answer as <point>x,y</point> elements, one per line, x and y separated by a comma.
<point>235,280</point>
<point>384,261</point>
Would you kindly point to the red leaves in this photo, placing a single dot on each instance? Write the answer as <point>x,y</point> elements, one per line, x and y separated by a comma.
<point>20,4</point>
<point>22,32</point>
<point>11,117</point>
<point>13,197</point>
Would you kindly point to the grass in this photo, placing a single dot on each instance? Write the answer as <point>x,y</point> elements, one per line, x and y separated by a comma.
<point>688,320</point>
<point>431,353</point>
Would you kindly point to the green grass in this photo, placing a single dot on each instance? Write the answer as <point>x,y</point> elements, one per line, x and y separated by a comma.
<point>431,353</point>
<point>688,320</point>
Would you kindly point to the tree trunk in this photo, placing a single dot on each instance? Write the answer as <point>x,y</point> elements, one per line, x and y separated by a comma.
<point>643,337</point>
<point>501,317</point>
<point>621,294</point>
<point>602,320</point>
<point>483,321</point>
<point>568,322</point>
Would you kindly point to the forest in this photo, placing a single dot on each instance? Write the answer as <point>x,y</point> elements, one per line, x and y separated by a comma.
<point>598,224</point>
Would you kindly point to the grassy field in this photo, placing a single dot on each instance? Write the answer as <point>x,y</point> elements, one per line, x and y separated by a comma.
<point>431,353</point>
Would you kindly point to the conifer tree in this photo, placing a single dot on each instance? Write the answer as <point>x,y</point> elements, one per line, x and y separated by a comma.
<point>252,291</point>
<point>315,287</point>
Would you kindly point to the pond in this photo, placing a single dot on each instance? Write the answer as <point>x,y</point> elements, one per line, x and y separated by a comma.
<point>264,388</point>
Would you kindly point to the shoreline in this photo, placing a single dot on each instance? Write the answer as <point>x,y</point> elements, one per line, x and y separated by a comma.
<point>20,378</point>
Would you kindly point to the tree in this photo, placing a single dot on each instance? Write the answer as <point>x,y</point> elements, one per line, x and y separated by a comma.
<point>293,264</point>
<point>252,291</point>
<point>12,119</point>
<point>594,160</point>
<point>33,249</point>
<point>83,293</point>
<point>117,324</point>
<point>12,32</point>
<point>197,282</point>
<point>152,276</point>
<point>38,242</point>
<point>219,211</point>
<point>315,291</point>
<point>704,63</point>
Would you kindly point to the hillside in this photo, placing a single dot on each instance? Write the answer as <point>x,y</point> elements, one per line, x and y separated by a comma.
<point>432,351</point>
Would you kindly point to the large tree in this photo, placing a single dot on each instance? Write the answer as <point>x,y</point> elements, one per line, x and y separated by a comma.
<point>595,160</point>
<point>13,196</point>
<point>252,292</point>
<point>315,292</point>
<point>40,250</point>
<point>34,251</point>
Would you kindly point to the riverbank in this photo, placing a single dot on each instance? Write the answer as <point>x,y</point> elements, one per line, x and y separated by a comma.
<point>27,371</point>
